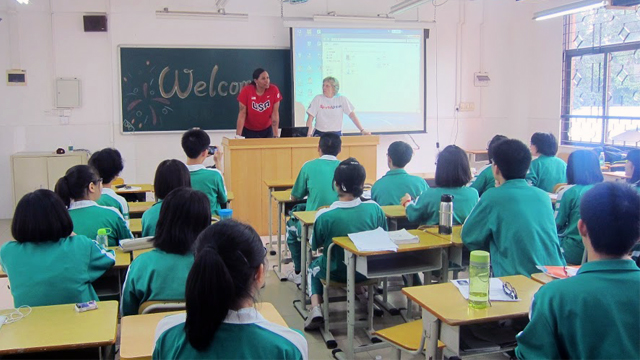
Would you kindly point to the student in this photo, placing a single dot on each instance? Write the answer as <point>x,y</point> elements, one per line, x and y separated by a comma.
<point>485,181</point>
<point>161,274</point>
<point>632,168</point>
<point>452,175</point>
<point>79,189</point>
<point>547,170</point>
<point>347,215</point>
<point>108,163</point>
<point>195,143</point>
<point>583,172</point>
<point>222,321</point>
<point>170,174</point>
<point>593,315</point>
<point>514,220</point>
<point>390,188</point>
<point>47,265</point>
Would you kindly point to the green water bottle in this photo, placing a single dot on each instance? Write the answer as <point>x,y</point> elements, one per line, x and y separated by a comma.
<point>479,268</point>
<point>103,236</point>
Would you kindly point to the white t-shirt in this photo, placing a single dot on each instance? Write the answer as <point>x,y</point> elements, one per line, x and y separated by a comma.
<point>328,111</point>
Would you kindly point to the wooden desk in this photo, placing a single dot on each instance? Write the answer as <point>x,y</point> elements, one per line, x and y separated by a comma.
<point>542,278</point>
<point>281,198</point>
<point>138,331</point>
<point>444,310</point>
<point>273,185</point>
<point>477,156</point>
<point>60,327</point>
<point>136,253</point>
<point>614,176</point>
<point>307,219</point>
<point>139,207</point>
<point>135,225</point>
<point>393,214</point>
<point>143,188</point>
<point>123,259</point>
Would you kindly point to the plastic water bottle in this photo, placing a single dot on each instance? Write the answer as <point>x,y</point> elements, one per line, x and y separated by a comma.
<point>601,159</point>
<point>103,236</point>
<point>446,215</point>
<point>479,279</point>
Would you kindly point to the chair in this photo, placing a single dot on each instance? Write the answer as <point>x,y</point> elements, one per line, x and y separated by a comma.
<point>152,307</point>
<point>409,337</point>
<point>558,187</point>
<point>117,181</point>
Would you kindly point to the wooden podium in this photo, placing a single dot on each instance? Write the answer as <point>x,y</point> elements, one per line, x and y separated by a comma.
<point>248,162</point>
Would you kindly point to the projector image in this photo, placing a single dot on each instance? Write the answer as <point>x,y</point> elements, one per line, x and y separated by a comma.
<point>625,2</point>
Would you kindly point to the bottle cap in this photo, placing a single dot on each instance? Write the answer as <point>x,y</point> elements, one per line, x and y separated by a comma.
<point>103,231</point>
<point>479,256</point>
<point>446,198</point>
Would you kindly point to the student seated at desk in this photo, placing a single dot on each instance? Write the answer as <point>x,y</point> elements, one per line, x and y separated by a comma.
<point>108,163</point>
<point>594,314</point>
<point>583,172</point>
<point>79,189</point>
<point>195,143</point>
<point>221,320</point>
<point>452,176</point>
<point>485,180</point>
<point>632,169</point>
<point>170,175</point>
<point>47,265</point>
<point>347,215</point>
<point>390,188</point>
<point>514,221</point>
<point>547,170</point>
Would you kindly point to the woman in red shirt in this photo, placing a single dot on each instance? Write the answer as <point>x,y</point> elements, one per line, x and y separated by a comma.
<point>259,104</point>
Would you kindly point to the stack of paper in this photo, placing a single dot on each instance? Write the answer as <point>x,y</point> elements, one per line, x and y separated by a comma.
<point>373,240</point>
<point>403,237</point>
<point>128,245</point>
<point>496,291</point>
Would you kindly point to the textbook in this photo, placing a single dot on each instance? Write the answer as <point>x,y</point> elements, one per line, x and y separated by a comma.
<point>373,240</point>
<point>403,237</point>
<point>559,272</point>
<point>128,245</point>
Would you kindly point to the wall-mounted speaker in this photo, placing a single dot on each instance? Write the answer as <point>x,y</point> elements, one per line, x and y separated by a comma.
<point>95,23</point>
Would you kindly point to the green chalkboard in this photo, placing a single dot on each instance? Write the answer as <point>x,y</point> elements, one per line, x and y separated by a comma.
<point>175,89</point>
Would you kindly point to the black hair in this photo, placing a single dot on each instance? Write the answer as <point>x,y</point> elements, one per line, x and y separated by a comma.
<point>108,162</point>
<point>583,168</point>
<point>228,256</point>
<point>611,212</point>
<point>496,139</point>
<point>185,212</point>
<point>349,177</point>
<point>41,216</point>
<point>513,158</point>
<point>194,142</point>
<point>400,153</point>
<point>330,144</point>
<point>546,143</point>
<point>633,156</point>
<point>452,169</point>
<point>75,182</point>
<point>170,174</point>
<point>256,75</point>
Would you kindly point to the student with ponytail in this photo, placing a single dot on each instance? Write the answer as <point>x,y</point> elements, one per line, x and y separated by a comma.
<point>221,321</point>
<point>79,189</point>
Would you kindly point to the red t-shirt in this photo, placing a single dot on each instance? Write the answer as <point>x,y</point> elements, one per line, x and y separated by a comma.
<point>259,107</point>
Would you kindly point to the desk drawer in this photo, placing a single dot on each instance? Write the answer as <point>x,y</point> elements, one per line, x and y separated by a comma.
<point>399,263</point>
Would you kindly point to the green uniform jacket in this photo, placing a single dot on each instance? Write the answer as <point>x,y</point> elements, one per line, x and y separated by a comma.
<point>426,208</point>
<point>484,180</point>
<point>315,180</point>
<point>88,217</point>
<point>567,216</point>
<point>593,315</point>
<point>210,182</point>
<point>110,198</point>
<point>52,273</point>
<point>389,189</point>
<point>515,223</point>
<point>155,275</point>
<point>547,171</point>
<point>244,334</point>
<point>150,219</point>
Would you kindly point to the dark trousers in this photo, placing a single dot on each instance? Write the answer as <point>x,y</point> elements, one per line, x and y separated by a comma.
<point>252,134</point>
<point>318,133</point>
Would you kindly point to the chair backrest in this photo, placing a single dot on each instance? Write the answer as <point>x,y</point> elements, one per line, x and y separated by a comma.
<point>558,187</point>
<point>151,307</point>
<point>117,181</point>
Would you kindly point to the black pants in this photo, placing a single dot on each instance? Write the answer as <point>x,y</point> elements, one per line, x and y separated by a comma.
<point>318,133</point>
<point>252,134</point>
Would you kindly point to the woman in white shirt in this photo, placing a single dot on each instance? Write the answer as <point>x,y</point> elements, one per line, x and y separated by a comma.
<point>328,108</point>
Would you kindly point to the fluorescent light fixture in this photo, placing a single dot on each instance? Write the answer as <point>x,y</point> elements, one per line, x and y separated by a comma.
<point>573,8</point>
<point>342,18</point>
<point>170,14</point>
<point>25,2</point>
<point>406,5</point>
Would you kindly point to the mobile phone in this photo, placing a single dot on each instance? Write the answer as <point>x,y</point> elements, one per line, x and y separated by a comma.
<point>86,306</point>
<point>212,150</point>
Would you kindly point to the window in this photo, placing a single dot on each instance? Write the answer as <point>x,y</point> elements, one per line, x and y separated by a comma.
<point>601,77</point>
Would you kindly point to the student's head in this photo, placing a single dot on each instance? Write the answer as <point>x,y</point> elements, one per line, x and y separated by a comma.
<point>610,218</point>
<point>330,86</point>
<point>80,182</point>
<point>452,169</point>
<point>544,143</point>
<point>349,178</point>
<point>632,167</point>
<point>41,216</point>
<point>330,144</point>
<point>108,162</point>
<point>170,174</point>
<point>260,78</point>
<point>512,158</point>
<point>228,271</point>
<point>184,214</point>
<point>195,142</point>
<point>399,154</point>
<point>496,139</point>
<point>583,168</point>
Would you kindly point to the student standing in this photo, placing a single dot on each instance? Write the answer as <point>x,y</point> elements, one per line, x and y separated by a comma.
<point>632,168</point>
<point>547,170</point>
<point>259,112</point>
<point>108,162</point>
<point>485,180</point>
<point>390,188</point>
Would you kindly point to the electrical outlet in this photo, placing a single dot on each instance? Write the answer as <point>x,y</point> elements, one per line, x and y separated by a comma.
<point>466,106</point>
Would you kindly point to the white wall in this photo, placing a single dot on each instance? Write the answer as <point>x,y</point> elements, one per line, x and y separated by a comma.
<point>523,59</point>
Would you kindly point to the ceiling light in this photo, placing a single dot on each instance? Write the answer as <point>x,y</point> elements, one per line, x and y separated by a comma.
<point>342,18</point>
<point>406,5</point>
<point>23,2</point>
<point>170,14</point>
<point>569,9</point>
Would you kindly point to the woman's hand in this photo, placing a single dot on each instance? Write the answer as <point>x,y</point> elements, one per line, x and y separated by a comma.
<point>364,132</point>
<point>406,199</point>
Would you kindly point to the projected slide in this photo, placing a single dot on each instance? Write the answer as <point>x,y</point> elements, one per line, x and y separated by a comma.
<point>381,71</point>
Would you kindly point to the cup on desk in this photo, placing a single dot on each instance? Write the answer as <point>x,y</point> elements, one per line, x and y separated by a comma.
<point>225,214</point>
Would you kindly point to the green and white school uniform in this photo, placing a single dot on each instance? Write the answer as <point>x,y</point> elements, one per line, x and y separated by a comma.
<point>593,315</point>
<point>515,223</point>
<point>426,208</point>
<point>150,219</point>
<point>636,186</point>
<point>110,198</point>
<point>210,182</point>
<point>244,334</point>
<point>54,272</point>
<point>484,180</point>
<point>340,219</point>
<point>155,275</point>
<point>547,171</point>
<point>315,180</point>
<point>88,217</point>
<point>567,216</point>
<point>390,188</point>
